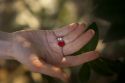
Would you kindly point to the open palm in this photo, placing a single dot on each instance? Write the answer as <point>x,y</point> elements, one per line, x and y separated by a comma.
<point>40,52</point>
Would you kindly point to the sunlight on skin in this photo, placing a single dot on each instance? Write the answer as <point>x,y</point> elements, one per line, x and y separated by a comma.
<point>35,61</point>
<point>23,41</point>
<point>54,70</point>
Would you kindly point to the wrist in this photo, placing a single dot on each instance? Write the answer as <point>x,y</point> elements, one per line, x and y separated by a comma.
<point>5,45</point>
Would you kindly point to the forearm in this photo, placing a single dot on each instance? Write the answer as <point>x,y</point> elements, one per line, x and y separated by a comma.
<point>5,45</point>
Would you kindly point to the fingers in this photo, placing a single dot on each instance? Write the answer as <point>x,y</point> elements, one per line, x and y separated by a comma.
<point>44,68</point>
<point>33,63</point>
<point>66,30</point>
<point>75,33</point>
<point>70,61</point>
<point>78,43</point>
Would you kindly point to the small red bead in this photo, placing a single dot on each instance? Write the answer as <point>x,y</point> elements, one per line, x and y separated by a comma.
<point>61,43</point>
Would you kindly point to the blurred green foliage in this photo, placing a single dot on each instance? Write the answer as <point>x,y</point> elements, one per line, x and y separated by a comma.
<point>48,14</point>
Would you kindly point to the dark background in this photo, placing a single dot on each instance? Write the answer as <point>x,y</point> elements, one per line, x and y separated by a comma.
<point>109,16</point>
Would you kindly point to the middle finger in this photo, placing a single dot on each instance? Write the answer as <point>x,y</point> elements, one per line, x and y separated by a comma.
<point>74,34</point>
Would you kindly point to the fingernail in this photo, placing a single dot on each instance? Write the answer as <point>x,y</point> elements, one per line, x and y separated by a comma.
<point>66,76</point>
<point>73,24</point>
<point>92,31</point>
<point>97,54</point>
<point>83,24</point>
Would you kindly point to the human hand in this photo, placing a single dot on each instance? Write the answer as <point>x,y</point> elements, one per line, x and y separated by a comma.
<point>40,52</point>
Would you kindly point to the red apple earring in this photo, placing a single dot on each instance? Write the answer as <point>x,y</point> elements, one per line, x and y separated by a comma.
<point>61,42</point>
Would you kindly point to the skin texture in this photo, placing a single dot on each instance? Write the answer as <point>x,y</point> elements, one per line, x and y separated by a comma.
<point>39,51</point>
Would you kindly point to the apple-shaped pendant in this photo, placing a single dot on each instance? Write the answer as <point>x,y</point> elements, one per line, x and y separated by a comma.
<point>61,42</point>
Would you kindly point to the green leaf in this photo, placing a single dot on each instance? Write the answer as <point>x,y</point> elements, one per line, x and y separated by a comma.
<point>84,73</point>
<point>92,44</point>
<point>101,67</point>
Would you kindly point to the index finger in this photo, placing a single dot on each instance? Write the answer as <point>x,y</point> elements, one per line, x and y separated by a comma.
<point>67,29</point>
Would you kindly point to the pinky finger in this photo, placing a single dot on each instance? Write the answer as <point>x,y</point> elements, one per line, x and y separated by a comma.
<point>70,61</point>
